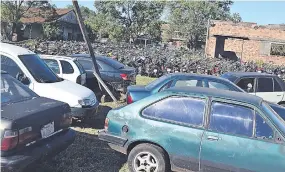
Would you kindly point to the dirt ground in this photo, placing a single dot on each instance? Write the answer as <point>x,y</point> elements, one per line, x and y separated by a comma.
<point>88,153</point>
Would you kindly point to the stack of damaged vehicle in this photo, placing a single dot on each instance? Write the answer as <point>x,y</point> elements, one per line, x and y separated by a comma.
<point>37,108</point>
<point>175,124</point>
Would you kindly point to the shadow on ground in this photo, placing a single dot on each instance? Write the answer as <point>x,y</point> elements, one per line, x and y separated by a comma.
<point>86,154</point>
<point>94,121</point>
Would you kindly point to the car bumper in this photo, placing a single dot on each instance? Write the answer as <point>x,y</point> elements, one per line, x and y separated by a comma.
<point>115,142</point>
<point>51,148</point>
<point>82,112</point>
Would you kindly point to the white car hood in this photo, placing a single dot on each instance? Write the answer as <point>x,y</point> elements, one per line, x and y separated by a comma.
<point>65,91</point>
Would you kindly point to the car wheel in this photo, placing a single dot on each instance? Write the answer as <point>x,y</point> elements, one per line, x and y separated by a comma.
<point>148,158</point>
<point>282,104</point>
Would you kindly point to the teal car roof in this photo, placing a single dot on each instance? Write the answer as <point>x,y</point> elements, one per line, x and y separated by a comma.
<point>217,93</point>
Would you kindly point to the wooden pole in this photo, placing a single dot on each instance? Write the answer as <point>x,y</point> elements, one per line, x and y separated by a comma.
<point>90,49</point>
<point>207,37</point>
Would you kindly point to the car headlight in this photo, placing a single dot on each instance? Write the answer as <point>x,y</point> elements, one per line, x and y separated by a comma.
<point>87,102</point>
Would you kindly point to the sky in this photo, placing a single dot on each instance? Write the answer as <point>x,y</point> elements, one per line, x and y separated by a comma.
<point>260,12</point>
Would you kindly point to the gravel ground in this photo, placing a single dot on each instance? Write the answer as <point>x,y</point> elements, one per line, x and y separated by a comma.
<point>88,153</point>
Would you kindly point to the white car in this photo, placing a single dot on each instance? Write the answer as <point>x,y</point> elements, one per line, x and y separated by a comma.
<point>31,70</point>
<point>269,87</point>
<point>66,67</point>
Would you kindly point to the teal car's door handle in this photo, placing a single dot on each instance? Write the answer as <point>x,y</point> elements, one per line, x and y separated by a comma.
<point>213,138</point>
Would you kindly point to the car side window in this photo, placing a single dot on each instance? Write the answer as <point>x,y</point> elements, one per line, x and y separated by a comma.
<point>277,87</point>
<point>231,119</point>
<point>217,85</point>
<point>8,65</point>
<point>188,83</point>
<point>262,129</point>
<point>247,84</point>
<point>265,85</point>
<point>66,67</point>
<point>178,109</point>
<point>53,64</point>
<point>165,86</point>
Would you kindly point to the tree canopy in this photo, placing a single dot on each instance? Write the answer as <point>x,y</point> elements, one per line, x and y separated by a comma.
<point>190,18</point>
<point>128,19</point>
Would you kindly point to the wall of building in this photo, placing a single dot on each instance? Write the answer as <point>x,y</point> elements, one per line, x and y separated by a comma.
<point>33,31</point>
<point>251,42</point>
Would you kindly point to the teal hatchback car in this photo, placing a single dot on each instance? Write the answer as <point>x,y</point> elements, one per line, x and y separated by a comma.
<point>198,129</point>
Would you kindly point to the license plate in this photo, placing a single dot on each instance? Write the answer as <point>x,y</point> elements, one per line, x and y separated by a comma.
<point>47,130</point>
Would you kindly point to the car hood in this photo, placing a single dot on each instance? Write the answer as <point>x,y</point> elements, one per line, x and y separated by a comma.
<point>65,91</point>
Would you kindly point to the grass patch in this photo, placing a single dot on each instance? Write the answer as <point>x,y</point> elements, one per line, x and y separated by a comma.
<point>88,153</point>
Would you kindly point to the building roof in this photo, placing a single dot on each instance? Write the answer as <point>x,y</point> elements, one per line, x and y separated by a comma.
<point>36,15</point>
<point>247,74</point>
<point>217,93</point>
<point>14,50</point>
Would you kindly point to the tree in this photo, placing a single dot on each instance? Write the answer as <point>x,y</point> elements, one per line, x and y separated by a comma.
<point>13,11</point>
<point>190,18</point>
<point>132,18</point>
<point>51,30</point>
<point>85,11</point>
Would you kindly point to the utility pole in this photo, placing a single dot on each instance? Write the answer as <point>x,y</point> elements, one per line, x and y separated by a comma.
<point>207,37</point>
<point>90,49</point>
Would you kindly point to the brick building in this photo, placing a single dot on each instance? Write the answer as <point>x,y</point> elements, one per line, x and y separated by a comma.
<point>246,41</point>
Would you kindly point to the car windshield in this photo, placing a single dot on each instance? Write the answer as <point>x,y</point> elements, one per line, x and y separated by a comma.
<point>114,63</point>
<point>80,67</point>
<point>275,117</point>
<point>87,64</point>
<point>39,69</point>
<point>14,91</point>
<point>156,82</point>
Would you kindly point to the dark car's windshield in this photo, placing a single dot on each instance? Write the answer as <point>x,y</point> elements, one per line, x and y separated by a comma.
<point>114,63</point>
<point>156,82</point>
<point>39,69</point>
<point>14,91</point>
<point>80,67</point>
<point>87,64</point>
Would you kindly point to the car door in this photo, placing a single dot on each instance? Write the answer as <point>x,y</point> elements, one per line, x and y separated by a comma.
<point>239,139</point>
<point>248,84</point>
<point>181,120</point>
<point>265,90</point>
<point>67,71</point>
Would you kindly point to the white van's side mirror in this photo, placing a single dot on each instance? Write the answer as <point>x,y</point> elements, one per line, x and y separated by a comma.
<point>22,78</point>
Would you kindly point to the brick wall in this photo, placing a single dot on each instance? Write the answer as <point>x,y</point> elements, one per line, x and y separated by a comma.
<point>250,42</point>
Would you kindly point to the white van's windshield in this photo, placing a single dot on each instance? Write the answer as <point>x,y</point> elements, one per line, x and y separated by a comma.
<point>38,68</point>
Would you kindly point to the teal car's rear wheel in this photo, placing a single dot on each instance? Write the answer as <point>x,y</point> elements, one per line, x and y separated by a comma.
<point>147,158</point>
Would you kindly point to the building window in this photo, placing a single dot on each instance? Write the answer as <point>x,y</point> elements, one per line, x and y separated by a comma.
<point>277,49</point>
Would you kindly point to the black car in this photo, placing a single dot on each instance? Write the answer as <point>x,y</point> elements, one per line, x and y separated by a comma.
<point>32,127</point>
<point>114,73</point>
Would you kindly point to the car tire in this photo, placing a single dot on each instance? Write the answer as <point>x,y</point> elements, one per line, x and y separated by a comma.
<point>152,156</point>
<point>282,104</point>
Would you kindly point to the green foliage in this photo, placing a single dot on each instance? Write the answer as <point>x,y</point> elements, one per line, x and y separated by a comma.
<point>190,18</point>
<point>128,19</point>
<point>51,30</point>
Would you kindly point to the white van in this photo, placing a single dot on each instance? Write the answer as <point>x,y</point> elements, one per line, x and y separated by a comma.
<point>31,70</point>
<point>66,67</point>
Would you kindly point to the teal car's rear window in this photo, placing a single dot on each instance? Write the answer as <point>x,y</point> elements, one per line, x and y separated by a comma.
<point>178,109</point>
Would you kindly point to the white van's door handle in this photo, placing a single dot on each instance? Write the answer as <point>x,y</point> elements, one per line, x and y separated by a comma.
<point>279,95</point>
